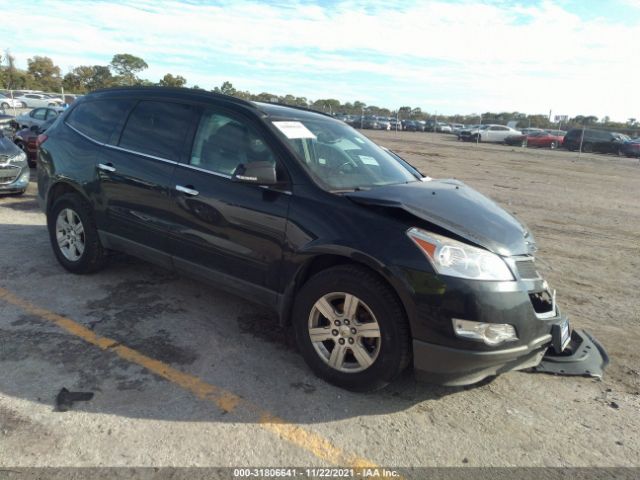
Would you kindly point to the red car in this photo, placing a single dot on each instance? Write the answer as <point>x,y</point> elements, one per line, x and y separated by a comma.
<point>549,139</point>
<point>27,140</point>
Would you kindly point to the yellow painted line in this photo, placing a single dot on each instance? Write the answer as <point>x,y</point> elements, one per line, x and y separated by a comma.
<point>223,399</point>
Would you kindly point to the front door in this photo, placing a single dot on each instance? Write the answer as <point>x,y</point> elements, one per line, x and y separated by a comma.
<point>230,232</point>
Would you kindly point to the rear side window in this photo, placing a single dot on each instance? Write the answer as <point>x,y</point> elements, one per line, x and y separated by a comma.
<point>158,128</point>
<point>99,119</point>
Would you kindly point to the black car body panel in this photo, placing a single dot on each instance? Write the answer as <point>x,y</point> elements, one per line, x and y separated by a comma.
<point>453,206</point>
<point>600,141</point>
<point>263,242</point>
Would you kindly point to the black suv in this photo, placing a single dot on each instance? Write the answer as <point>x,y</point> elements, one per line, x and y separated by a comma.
<point>374,265</point>
<point>595,141</point>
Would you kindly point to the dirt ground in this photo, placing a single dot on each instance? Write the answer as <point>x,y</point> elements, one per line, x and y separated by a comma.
<point>210,348</point>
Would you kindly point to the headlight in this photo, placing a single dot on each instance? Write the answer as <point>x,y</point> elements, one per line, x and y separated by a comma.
<point>19,158</point>
<point>458,259</point>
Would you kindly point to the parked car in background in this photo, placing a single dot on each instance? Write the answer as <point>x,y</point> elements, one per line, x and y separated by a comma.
<point>442,127</point>
<point>7,123</point>
<point>456,128</point>
<point>631,148</point>
<point>527,131</point>
<point>35,100</point>
<point>373,122</point>
<point>535,139</point>
<point>37,116</point>
<point>385,123</point>
<point>412,126</point>
<point>488,133</point>
<point>600,141</point>
<point>395,124</point>
<point>14,169</point>
<point>27,140</point>
<point>7,102</point>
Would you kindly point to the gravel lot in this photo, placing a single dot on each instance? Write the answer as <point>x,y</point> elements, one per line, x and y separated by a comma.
<point>584,213</point>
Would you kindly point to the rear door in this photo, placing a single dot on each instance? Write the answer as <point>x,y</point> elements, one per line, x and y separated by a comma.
<point>231,233</point>
<point>135,173</point>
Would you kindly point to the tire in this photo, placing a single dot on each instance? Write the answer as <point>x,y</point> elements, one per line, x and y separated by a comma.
<point>23,105</point>
<point>524,143</point>
<point>387,355</point>
<point>553,145</point>
<point>92,256</point>
<point>4,105</point>
<point>587,148</point>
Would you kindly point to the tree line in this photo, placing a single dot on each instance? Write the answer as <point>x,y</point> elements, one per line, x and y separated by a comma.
<point>125,69</point>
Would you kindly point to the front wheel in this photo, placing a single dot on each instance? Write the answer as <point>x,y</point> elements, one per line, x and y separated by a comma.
<point>351,329</point>
<point>553,145</point>
<point>74,236</point>
<point>5,105</point>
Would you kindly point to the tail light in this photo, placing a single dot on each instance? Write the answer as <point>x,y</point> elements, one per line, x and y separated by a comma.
<point>41,139</point>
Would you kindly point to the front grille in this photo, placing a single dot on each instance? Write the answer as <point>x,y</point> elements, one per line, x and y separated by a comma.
<point>527,269</point>
<point>8,174</point>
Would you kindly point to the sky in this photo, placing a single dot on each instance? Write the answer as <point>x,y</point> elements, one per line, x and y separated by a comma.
<point>460,56</point>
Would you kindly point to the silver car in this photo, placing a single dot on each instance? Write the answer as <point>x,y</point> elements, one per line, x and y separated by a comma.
<point>37,116</point>
<point>14,169</point>
<point>35,100</point>
<point>8,102</point>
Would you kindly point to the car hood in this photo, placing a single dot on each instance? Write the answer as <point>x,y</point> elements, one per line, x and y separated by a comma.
<point>8,148</point>
<point>453,206</point>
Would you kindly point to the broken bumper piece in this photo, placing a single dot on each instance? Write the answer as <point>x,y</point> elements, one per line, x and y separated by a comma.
<point>584,355</point>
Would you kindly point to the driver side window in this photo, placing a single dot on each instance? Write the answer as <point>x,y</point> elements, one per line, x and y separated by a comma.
<point>222,143</point>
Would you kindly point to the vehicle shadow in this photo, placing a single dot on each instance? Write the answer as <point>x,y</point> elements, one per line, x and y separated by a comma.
<point>219,338</point>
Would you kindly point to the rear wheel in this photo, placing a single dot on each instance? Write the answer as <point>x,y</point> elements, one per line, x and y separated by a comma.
<point>351,328</point>
<point>553,145</point>
<point>5,105</point>
<point>74,236</point>
<point>587,147</point>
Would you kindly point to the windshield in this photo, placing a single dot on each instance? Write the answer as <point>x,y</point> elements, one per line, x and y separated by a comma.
<point>340,158</point>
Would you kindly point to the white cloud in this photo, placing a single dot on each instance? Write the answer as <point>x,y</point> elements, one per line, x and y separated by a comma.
<point>453,57</point>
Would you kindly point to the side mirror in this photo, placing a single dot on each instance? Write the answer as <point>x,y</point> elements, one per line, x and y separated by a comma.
<point>259,173</point>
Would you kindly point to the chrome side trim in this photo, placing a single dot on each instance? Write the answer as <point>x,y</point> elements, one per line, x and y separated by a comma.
<point>121,149</point>
<point>173,162</point>
<point>204,170</point>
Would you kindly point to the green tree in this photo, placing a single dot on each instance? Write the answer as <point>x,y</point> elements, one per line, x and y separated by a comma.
<point>79,79</point>
<point>45,73</point>
<point>126,67</point>
<point>226,88</point>
<point>170,81</point>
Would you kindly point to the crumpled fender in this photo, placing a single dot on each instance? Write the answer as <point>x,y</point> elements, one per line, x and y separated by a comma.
<point>583,356</point>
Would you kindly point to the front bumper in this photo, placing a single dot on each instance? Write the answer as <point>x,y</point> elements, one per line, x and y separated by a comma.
<point>454,367</point>
<point>14,179</point>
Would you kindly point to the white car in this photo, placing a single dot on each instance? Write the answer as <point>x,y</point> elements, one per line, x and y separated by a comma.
<point>489,133</point>
<point>8,102</point>
<point>35,100</point>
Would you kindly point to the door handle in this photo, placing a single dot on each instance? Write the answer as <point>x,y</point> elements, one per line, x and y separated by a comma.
<point>187,190</point>
<point>107,167</point>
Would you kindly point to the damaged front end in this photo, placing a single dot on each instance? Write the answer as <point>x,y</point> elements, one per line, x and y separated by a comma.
<point>583,355</point>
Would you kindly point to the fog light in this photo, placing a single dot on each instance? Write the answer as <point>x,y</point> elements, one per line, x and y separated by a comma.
<point>23,180</point>
<point>489,333</point>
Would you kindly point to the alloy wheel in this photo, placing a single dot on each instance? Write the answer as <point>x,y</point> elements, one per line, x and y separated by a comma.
<point>344,332</point>
<point>70,234</point>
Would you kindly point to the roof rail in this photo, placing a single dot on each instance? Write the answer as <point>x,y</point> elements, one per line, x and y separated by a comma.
<point>181,90</point>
